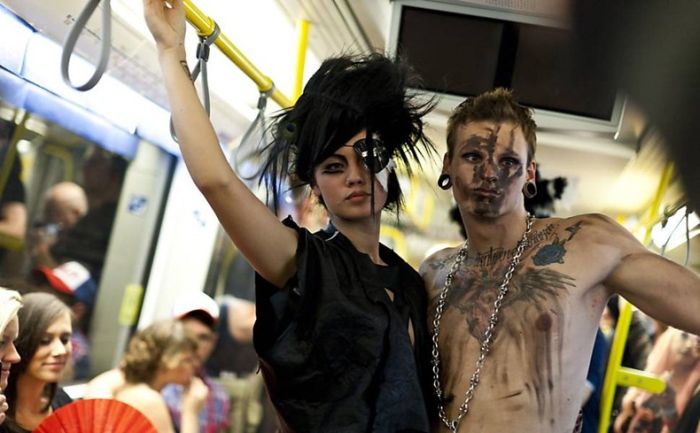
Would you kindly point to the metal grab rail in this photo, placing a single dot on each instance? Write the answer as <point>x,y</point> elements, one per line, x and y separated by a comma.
<point>205,26</point>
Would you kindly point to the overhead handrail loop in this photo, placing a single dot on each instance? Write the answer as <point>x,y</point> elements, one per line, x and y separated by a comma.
<point>72,39</point>
<point>246,149</point>
<point>203,50</point>
<point>203,24</point>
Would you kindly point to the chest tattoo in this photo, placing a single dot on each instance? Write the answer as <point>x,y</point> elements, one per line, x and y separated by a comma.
<point>475,291</point>
<point>555,251</point>
<point>531,318</point>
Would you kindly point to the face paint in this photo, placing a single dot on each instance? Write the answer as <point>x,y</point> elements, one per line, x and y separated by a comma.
<point>494,172</point>
<point>372,152</point>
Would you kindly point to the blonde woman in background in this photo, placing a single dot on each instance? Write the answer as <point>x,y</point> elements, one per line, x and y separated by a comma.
<point>161,354</point>
<point>10,303</point>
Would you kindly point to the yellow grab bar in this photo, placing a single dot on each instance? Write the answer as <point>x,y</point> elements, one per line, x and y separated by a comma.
<point>205,27</point>
<point>615,374</point>
<point>302,45</point>
<point>640,379</point>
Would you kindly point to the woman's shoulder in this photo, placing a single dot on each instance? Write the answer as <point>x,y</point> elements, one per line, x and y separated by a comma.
<point>60,399</point>
<point>149,402</point>
<point>139,394</point>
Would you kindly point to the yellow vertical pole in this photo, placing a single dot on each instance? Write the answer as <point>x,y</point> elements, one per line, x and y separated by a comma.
<point>614,361</point>
<point>613,375</point>
<point>302,46</point>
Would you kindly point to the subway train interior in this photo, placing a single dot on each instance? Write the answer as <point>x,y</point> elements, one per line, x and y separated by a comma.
<point>150,236</point>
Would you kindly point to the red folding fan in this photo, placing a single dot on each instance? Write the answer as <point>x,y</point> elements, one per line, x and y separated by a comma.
<point>96,416</point>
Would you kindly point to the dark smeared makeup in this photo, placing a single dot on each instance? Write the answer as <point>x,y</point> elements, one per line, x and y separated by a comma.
<point>506,167</point>
<point>333,164</point>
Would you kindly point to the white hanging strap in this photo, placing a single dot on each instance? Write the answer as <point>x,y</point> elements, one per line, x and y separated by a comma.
<point>72,39</point>
<point>203,49</point>
<point>247,148</point>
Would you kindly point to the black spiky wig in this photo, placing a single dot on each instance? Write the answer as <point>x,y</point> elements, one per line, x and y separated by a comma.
<point>345,96</point>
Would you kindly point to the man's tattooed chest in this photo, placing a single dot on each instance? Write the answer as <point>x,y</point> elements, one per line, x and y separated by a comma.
<point>536,288</point>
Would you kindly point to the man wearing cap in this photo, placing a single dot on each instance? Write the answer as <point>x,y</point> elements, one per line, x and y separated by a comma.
<point>200,314</point>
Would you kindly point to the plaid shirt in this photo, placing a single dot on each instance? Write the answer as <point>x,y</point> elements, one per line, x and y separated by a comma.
<point>213,418</point>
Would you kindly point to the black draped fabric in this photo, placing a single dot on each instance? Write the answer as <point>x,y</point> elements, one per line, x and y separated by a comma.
<point>688,423</point>
<point>334,348</point>
<point>60,399</point>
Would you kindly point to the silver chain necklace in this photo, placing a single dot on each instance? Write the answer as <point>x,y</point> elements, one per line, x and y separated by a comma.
<point>488,334</point>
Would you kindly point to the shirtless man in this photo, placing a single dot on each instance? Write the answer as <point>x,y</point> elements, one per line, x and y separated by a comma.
<point>539,347</point>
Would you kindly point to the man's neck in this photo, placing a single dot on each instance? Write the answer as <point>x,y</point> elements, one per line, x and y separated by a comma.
<point>488,234</point>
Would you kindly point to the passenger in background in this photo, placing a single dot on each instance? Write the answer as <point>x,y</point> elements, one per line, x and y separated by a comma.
<point>161,354</point>
<point>10,303</point>
<point>638,345</point>
<point>87,241</point>
<point>235,362</point>
<point>199,314</point>
<point>676,357</point>
<point>71,282</point>
<point>44,346</point>
<point>13,211</point>
<point>594,384</point>
<point>65,203</point>
<point>689,421</point>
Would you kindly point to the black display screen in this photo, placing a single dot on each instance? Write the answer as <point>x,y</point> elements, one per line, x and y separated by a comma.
<point>465,55</point>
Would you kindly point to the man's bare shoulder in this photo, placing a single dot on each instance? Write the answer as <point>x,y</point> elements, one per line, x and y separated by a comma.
<point>437,264</point>
<point>590,237</point>
<point>601,229</point>
<point>437,260</point>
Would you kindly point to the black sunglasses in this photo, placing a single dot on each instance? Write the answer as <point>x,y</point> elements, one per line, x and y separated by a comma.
<point>372,152</point>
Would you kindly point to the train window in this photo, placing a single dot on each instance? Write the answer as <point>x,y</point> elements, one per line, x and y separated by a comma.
<point>59,202</point>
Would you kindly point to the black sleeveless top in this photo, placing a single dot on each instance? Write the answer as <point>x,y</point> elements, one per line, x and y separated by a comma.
<point>60,399</point>
<point>334,348</point>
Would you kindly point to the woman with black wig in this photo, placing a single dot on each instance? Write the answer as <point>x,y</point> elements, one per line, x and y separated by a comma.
<point>341,331</point>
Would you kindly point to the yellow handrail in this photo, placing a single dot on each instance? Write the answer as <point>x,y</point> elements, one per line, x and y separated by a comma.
<point>615,374</point>
<point>302,45</point>
<point>205,26</point>
<point>7,241</point>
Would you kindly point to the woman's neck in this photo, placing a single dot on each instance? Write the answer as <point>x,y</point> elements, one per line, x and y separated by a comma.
<point>364,235</point>
<point>32,402</point>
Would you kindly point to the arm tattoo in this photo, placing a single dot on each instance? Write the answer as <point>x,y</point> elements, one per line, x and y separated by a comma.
<point>441,263</point>
<point>183,63</point>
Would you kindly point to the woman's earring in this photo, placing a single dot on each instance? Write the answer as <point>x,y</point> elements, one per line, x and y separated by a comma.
<point>444,181</point>
<point>530,190</point>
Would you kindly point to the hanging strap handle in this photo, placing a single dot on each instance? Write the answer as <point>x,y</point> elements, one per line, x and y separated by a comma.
<point>203,50</point>
<point>72,39</point>
<point>240,154</point>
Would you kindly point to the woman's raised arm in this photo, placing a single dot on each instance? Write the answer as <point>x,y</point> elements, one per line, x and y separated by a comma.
<point>268,245</point>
